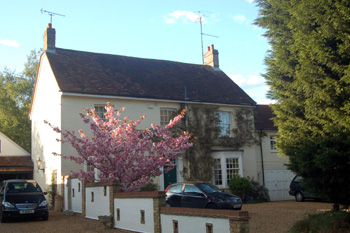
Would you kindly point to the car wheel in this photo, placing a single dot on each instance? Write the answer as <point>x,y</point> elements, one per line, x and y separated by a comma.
<point>299,196</point>
<point>3,218</point>
<point>212,206</point>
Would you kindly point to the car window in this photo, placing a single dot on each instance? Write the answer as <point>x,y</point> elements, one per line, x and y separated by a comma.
<point>298,179</point>
<point>209,188</point>
<point>189,188</point>
<point>23,187</point>
<point>176,188</point>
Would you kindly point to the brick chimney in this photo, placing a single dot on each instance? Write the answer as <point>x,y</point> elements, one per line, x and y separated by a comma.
<point>211,57</point>
<point>49,38</point>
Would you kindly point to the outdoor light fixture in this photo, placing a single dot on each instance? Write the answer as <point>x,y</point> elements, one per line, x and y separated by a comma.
<point>40,165</point>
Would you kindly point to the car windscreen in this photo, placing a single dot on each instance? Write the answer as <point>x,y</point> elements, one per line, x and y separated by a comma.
<point>209,188</point>
<point>23,187</point>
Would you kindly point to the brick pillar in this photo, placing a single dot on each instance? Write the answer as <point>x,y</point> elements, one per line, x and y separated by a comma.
<point>158,202</point>
<point>83,198</point>
<point>240,225</point>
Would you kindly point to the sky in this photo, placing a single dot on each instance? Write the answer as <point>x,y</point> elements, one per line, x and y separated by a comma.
<point>156,29</point>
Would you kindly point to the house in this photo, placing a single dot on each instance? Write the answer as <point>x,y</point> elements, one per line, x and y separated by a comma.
<point>276,176</point>
<point>15,162</point>
<point>69,80</point>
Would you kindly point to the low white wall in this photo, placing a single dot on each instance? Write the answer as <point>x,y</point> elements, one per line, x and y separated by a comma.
<point>130,214</point>
<point>76,195</point>
<point>193,224</point>
<point>99,204</point>
<point>66,195</point>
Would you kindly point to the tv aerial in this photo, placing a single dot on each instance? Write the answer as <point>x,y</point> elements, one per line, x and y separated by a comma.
<point>51,14</point>
<point>203,34</point>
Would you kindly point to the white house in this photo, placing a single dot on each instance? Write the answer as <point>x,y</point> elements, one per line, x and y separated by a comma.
<point>69,80</point>
<point>15,162</point>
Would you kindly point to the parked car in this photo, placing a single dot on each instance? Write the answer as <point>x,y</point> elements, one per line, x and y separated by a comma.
<point>298,191</point>
<point>22,198</point>
<point>200,195</point>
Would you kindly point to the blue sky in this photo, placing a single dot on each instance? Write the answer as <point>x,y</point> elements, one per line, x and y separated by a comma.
<point>158,29</point>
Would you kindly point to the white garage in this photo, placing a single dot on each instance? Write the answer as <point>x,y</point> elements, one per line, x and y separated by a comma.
<point>277,182</point>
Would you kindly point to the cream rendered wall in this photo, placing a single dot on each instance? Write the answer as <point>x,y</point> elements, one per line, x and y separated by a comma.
<point>73,105</point>
<point>10,148</point>
<point>46,106</point>
<point>271,159</point>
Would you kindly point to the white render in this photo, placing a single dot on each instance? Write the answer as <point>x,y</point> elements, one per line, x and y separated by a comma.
<point>130,214</point>
<point>193,224</point>
<point>77,196</point>
<point>100,203</point>
<point>10,148</point>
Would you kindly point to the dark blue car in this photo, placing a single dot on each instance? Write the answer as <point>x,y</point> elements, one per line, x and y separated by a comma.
<point>200,195</point>
<point>22,198</point>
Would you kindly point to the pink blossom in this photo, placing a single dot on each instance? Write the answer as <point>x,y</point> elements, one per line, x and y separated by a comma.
<point>121,152</point>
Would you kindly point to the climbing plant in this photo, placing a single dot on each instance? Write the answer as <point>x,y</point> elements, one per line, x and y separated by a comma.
<point>202,122</point>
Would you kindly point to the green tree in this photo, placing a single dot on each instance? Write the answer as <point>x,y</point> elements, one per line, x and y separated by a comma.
<point>15,99</point>
<point>308,71</point>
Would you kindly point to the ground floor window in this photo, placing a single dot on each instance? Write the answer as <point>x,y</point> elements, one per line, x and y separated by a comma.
<point>227,164</point>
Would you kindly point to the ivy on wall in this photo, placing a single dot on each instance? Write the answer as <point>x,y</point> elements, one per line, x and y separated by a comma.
<point>202,122</point>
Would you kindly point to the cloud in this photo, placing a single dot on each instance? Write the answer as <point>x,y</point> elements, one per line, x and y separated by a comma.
<point>9,43</point>
<point>241,19</point>
<point>250,1</point>
<point>249,81</point>
<point>185,16</point>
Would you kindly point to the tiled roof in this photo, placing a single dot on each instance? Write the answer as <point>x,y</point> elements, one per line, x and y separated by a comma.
<point>114,75</point>
<point>16,161</point>
<point>262,118</point>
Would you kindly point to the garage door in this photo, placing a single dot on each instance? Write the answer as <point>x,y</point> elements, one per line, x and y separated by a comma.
<point>277,182</point>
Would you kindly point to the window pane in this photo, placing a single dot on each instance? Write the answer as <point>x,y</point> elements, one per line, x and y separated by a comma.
<point>273,143</point>
<point>232,168</point>
<point>217,172</point>
<point>224,123</point>
<point>165,116</point>
<point>100,110</point>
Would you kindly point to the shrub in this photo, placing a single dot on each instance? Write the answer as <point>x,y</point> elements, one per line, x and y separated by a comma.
<point>149,187</point>
<point>331,222</point>
<point>257,192</point>
<point>240,186</point>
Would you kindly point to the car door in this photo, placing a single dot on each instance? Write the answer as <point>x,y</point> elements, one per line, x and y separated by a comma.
<point>173,195</point>
<point>193,197</point>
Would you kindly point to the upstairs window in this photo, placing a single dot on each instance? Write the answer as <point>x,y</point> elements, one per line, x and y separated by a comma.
<point>224,123</point>
<point>166,115</point>
<point>273,144</point>
<point>100,110</point>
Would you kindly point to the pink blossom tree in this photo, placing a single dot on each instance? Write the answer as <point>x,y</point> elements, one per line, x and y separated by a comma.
<point>121,152</point>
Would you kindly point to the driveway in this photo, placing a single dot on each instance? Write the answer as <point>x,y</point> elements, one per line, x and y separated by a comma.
<point>264,218</point>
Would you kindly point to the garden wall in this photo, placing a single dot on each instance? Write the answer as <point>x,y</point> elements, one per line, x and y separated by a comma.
<point>146,212</point>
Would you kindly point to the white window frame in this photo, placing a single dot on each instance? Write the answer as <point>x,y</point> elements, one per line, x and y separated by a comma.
<point>273,143</point>
<point>224,123</point>
<point>166,113</point>
<point>223,155</point>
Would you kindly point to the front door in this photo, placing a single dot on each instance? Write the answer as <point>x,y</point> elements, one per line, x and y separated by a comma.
<point>170,177</point>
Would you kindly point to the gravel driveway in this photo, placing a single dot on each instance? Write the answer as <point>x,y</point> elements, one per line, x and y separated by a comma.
<point>276,217</point>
